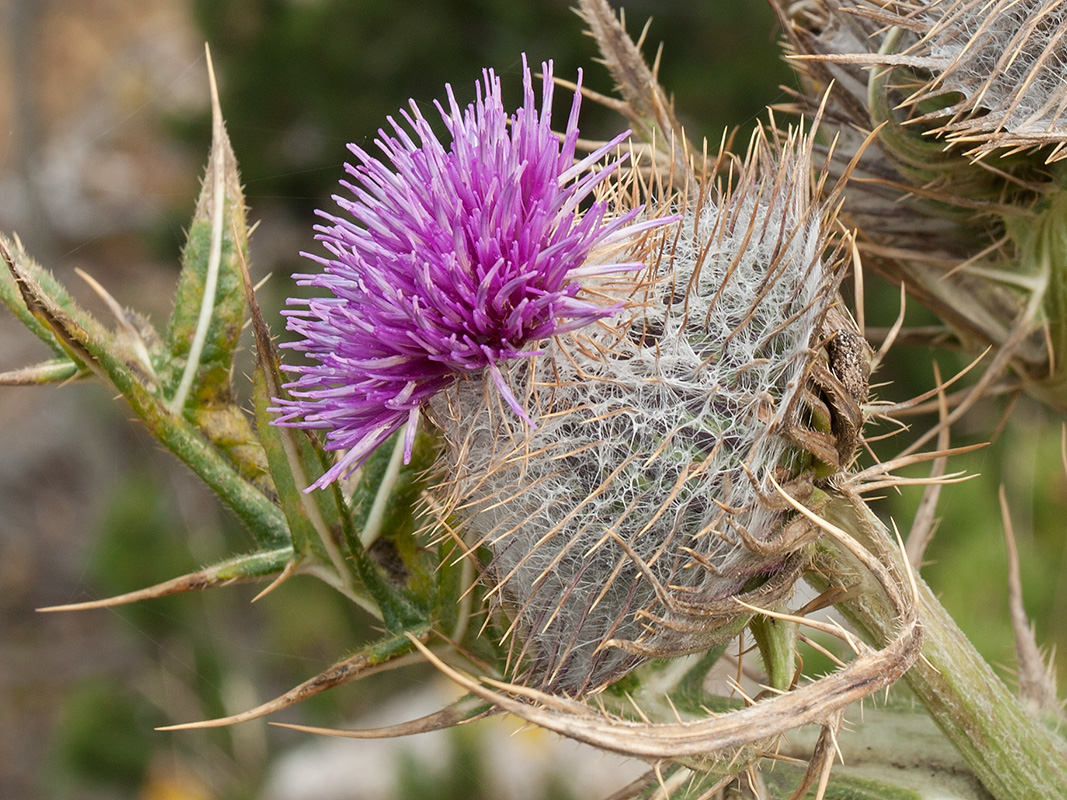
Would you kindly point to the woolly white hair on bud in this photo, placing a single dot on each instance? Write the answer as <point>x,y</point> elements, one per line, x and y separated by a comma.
<point>1008,61</point>
<point>621,527</point>
<point>997,68</point>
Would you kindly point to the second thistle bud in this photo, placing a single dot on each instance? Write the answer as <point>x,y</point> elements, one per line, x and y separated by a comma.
<point>950,116</point>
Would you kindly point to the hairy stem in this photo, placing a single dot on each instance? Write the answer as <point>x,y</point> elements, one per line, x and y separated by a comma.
<point>1011,752</point>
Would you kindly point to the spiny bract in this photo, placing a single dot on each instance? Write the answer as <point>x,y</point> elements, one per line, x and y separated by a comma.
<point>1002,64</point>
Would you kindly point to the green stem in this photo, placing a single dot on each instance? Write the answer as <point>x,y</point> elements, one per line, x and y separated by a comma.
<point>1011,752</point>
<point>263,517</point>
<point>777,641</point>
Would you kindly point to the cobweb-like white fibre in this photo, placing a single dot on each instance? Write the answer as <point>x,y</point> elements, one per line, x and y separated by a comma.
<point>1009,57</point>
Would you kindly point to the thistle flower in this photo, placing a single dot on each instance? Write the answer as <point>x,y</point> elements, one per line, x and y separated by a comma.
<point>453,259</point>
<point>625,526</point>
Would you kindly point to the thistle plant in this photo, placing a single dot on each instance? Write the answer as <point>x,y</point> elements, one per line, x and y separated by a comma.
<point>568,418</point>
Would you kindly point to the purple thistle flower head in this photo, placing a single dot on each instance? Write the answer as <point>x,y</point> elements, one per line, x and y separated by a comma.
<point>451,258</point>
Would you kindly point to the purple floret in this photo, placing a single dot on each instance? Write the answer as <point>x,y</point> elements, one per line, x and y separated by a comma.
<point>449,259</point>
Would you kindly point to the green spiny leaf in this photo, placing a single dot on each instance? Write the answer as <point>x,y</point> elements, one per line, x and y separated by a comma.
<point>366,661</point>
<point>230,430</point>
<point>89,343</point>
<point>322,522</point>
<point>12,297</point>
<point>387,512</point>
<point>240,569</point>
<point>56,370</point>
<point>306,542</point>
<point>209,308</point>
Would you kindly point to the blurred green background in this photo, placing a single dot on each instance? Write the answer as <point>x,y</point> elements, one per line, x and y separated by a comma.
<point>92,507</point>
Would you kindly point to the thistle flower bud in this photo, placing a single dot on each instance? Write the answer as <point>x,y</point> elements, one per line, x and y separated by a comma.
<point>625,525</point>
<point>949,115</point>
